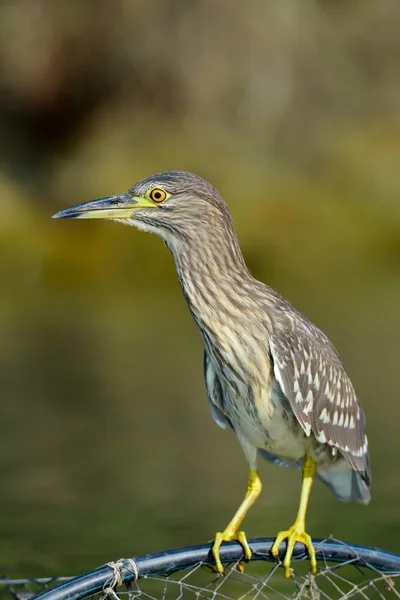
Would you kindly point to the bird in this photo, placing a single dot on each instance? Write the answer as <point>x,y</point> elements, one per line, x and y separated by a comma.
<point>271,375</point>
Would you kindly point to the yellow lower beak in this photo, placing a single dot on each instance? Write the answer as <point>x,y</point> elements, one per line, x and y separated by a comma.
<point>112,207</point>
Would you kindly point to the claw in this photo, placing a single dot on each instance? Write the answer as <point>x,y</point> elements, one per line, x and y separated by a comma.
<point>297,532</point>
<point>231,532</point>
<point>293,535</point>
<point>227,536</point>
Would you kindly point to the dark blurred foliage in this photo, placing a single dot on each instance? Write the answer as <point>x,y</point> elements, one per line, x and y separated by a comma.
<point>292,110</point>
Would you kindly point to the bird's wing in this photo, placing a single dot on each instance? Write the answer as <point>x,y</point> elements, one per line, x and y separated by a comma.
<point>214,393</point>
<point>321,395</point>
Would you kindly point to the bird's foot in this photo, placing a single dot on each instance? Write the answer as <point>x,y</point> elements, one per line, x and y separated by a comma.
<point>296,533</point>
<point>229,535</point>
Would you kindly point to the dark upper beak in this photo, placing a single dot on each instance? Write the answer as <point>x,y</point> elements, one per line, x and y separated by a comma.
<point>113,207</point>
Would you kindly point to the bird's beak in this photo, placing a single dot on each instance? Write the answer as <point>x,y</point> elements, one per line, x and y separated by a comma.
<point>113,207</point>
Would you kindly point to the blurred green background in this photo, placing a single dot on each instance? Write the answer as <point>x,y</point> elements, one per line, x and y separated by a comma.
<point>291,109</point>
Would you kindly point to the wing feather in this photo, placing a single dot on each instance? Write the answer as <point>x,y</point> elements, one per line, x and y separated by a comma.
<point>320,393</point>
<point>214,394</point>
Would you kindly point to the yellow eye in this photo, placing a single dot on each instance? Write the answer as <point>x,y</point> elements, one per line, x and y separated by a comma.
<point>158,195</point>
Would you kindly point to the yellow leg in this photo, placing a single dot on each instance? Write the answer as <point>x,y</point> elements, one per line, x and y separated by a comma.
<point>231,532</point>
<point>297,533</point>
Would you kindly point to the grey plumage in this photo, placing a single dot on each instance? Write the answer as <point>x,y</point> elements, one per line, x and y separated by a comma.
<point>257,344</point>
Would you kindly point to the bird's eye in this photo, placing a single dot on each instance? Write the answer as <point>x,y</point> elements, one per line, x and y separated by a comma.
<point>158,195</point>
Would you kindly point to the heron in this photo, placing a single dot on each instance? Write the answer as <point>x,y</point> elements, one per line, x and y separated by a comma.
<point>271,375</point>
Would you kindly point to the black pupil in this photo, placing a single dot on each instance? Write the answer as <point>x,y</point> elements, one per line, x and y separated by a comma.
<point>157,195</point>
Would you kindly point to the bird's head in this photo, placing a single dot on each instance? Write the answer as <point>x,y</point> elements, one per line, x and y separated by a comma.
<point>174,205</point>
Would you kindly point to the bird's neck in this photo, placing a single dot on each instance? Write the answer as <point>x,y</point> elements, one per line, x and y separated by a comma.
<point>211,270</point>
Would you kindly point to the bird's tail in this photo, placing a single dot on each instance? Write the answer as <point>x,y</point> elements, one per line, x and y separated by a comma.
<point>345,483</point>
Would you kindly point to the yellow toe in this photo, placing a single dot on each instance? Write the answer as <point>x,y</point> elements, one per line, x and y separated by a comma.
<point>215,551</point>
<point>293,535</point>
<point>228,536</point>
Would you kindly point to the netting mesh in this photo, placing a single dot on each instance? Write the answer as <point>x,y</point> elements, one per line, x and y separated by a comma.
<point>261,580</point>
<point>23,589</point>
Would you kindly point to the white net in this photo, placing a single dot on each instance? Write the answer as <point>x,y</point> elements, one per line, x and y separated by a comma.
<point>266,581</point>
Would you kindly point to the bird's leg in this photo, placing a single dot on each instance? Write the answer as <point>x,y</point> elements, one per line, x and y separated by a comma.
<point>297,532</point>
<point>231,532</point>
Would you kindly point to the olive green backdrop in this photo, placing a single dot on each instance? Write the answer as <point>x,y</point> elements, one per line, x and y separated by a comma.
<point>292,110</point>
